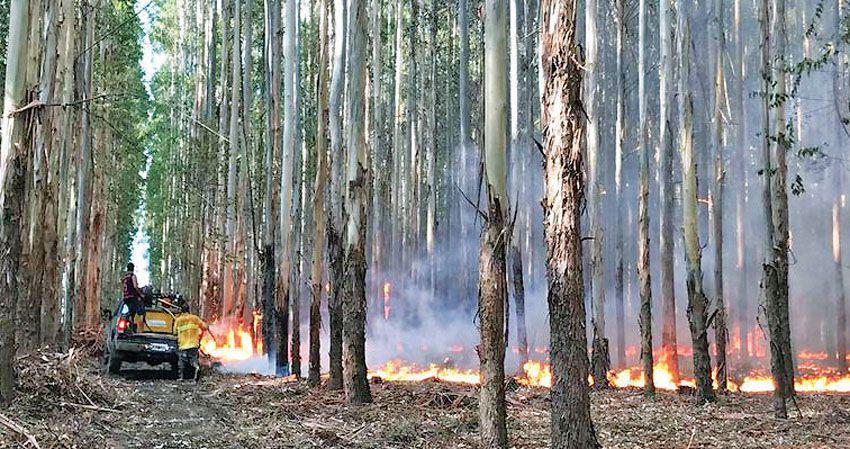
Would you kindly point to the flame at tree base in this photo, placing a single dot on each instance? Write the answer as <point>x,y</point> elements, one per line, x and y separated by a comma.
<point>539,374</point>
<point>233,343</point>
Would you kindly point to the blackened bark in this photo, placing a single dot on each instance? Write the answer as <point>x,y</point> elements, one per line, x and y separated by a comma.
<point>12,198</point>
<point>562,117</point>
<point>491,311</point>
<point>282,321</point>
<point>519,301</point>
<point>355,381</point>
<point>269,315</point>
<point>337,276</point>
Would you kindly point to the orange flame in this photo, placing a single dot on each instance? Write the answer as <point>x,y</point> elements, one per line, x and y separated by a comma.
<point>235,344</point>
<point>397,371</point>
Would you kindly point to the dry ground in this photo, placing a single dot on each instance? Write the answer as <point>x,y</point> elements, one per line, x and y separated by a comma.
<point>65,402</point>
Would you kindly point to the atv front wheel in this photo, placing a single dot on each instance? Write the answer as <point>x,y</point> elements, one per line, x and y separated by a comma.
<point>113,363</point>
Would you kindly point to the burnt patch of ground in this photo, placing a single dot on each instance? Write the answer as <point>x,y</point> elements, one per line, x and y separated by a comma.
<point>67,402</point>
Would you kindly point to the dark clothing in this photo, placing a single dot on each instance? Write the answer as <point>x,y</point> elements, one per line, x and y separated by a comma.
<point>187,365</point>
<point>131,290</point>
<point>133,299</point>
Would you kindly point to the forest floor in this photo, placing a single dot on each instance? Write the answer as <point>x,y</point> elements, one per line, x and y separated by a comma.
<point>65,401</point>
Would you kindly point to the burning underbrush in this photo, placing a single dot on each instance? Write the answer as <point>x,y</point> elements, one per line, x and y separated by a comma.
<point>236,348</point>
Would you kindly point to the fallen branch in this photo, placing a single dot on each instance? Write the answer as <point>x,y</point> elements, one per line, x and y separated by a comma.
<point>90,407</point>
<point>15,427</point>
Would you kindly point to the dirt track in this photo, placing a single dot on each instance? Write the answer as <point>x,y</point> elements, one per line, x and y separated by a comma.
<point>145,408</point>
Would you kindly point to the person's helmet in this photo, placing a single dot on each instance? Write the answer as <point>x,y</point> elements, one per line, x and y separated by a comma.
<point>131,266</point>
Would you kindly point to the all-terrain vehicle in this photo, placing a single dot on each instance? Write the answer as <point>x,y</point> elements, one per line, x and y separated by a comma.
<point>154,340</point>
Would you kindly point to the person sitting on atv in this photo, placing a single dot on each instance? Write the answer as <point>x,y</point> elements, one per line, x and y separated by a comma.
<point>189,328</point>
<point>132,296</point>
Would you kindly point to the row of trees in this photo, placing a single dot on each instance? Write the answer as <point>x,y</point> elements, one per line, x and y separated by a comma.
<point>70,158</point>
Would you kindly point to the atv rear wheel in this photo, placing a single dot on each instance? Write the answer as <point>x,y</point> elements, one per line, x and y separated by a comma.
<point>113,363</point>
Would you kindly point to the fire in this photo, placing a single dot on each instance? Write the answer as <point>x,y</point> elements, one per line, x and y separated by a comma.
<point>234,345</point>
<point>537,373</point>
<point>397,371</point>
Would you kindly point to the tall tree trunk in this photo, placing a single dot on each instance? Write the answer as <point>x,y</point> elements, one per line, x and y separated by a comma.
<point>840,297</point>
<point>669,353</point>
<point>697,302</point>
<point>492,265</point>
<point>519,90</point>
<point>620,141</point>
<point>299,161</point>
<point>13,177</point>
<point>84,163</point>
<point>231,264</point>
<point>772,281</point>
<point>314,374</point>
<point>741,195</point>
<point>467,164</point>
<point>44,288</point>
<point>563,125</point>
<point>378,159</point>
<point>643,268</point>
<point>600,360</point>
<point>335,218</point>
<point>273,80</point>
<point>357,199</point>
<point>290,125</point>
<point>431,156</point>
<point>781,145</point>
<point>837,208</point>
<point>398,135</point>
<point>721,333</point>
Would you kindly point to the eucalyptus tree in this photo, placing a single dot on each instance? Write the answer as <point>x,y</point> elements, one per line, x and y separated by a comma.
<point>563,128</point>
<point>837,210</point>
<point>697,302</point>
<point>314,373</point>
<point>355,383</point>
<point>288,160</point>
<point>619,143</point>
<point>492,285</point>
<point>600,359</point>
<point>774,198</point>
<point>13,176</point>
<point>335,217</point>
<point>666,95</point>
<point>273,143</point>
<point>643,268</point>
<point>721,333</point>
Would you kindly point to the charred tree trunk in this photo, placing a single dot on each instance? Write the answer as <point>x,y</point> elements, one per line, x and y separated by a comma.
<point>269,257</point>
<point>519,303</point>
<point>563,124</point>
